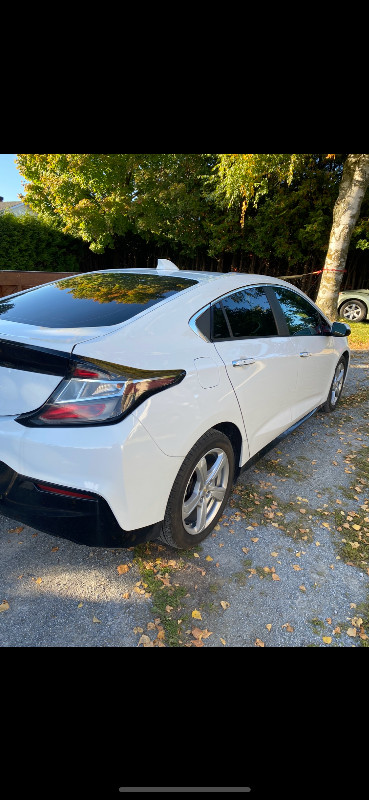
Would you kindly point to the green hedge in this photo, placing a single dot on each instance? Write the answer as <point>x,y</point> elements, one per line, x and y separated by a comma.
<point>29,243</point>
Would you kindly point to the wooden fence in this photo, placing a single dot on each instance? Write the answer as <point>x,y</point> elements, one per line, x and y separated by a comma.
<point>16,280</point>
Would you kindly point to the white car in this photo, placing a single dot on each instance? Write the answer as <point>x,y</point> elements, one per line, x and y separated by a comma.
<point>130,399</point>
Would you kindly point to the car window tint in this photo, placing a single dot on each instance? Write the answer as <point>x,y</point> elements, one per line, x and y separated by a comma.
<point>249,313</point>
<point>220,327</point>
<point>301,317</point>
<point>91,299</point>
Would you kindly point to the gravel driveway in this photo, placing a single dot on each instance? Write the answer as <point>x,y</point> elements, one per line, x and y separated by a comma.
<point>286,567</point>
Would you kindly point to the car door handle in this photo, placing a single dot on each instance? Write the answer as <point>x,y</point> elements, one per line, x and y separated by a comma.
<point>243,362</point>
<point>305,354</point>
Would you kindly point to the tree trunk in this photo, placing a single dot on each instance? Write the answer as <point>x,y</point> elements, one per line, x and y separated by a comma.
<point>355,180</point>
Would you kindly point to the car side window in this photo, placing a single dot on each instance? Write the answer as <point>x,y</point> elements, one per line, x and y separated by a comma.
<point>245,313</point>
<point>301,317</point>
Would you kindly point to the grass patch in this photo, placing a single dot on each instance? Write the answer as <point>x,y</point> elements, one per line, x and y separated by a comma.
<point>274,466</point>
<point>359,338</point>
<point>317,625</point>
<point>157,573</point>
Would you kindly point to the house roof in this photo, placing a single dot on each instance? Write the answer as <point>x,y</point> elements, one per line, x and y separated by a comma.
<point>10,204</point>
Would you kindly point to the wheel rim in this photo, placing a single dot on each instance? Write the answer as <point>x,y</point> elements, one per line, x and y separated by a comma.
<point>352,312</point>
<point>205,491</point>
<point>337,384</point>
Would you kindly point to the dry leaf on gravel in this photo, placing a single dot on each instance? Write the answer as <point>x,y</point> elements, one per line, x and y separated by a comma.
<point>122,569</point>
<point>201,634</point>
<point>145,641</point>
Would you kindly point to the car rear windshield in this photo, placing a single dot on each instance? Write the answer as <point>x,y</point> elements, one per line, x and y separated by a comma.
<point>91,299</point>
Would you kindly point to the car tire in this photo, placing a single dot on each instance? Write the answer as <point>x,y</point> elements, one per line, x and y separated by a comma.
<point>200,491</point>
<point>353,310</point>
<point>336,386</point>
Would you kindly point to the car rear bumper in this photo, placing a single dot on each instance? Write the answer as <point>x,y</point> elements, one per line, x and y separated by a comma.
<point>81,517</point>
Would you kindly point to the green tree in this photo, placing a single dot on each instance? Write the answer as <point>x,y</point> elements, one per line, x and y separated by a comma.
<point>244,178</point>
<point>100,195</point>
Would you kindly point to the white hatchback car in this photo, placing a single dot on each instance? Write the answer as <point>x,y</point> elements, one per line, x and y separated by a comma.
<point>131,399</point>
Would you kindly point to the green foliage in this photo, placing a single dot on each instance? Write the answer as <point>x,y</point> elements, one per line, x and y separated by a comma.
<point>29,243</point>
<point>188,206</point>
<point>108,287</point>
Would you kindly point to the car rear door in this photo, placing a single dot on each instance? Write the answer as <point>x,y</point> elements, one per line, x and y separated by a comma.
<point>260,362</point>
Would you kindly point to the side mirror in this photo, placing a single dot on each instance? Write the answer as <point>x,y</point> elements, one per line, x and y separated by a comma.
<point>340,329</point>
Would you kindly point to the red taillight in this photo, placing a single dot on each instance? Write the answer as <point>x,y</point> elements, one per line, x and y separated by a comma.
<point>96,392</point>
<point>74,411</point>
<point>78,372</point>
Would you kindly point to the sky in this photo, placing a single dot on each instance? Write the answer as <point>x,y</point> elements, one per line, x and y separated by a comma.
<point>10,178</point>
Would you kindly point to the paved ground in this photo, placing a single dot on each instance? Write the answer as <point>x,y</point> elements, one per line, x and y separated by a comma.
<point>287,566</point>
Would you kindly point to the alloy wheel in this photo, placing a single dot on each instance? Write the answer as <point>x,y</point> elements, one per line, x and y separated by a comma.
<point>205,491</point>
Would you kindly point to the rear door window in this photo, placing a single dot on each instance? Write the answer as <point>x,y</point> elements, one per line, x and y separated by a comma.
<point>91,299</point>
<point>244,314</point>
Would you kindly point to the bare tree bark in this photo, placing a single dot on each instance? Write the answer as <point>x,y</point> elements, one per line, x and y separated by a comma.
<point>354,183</point>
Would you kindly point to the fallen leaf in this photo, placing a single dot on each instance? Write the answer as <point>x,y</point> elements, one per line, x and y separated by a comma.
<point>274,555</point>
<point>122,569</point>
<point>196,555</point>
<point>54,549</point>
<point>303,588</point>
<point>126,595</point>
<point>146,641</point>
<point>223,641</point>
<point>288,627</point>
<point>256,539</point>
<point>201,634</point>
<point>244,549</point>
<point>275,577</point>
<point>297,568</point>
<point>38,580</point>
<point>4,606</point>
<point>269,627</point>
<point>327,639</point>
<point>351,631</point>
<point>161,634</point>
<point>16,530</point>
<point>80,605</point>
<point>196,614</point>
<point>224,604</point>
<point>94,619</point>
<point>197,643</point>
<point>169,609</point>
<point>209,558</point>
<point>259,643</point>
